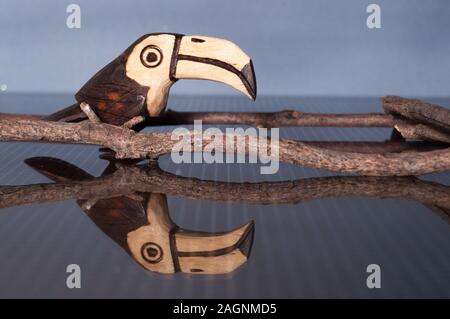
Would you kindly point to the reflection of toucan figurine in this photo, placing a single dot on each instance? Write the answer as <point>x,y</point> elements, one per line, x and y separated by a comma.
<point>141,224</point>
<point>136,84</point>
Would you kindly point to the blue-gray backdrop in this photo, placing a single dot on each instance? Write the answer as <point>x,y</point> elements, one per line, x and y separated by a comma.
<point>314,47</point>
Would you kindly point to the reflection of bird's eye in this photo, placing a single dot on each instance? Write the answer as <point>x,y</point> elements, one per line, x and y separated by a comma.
<point>151,56</point>
<point>152,253</point>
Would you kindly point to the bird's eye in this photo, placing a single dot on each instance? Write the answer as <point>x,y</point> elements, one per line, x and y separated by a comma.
<point>152,253</point>
<point>151,56</point>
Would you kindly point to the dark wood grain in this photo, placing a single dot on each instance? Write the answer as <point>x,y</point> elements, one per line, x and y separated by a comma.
<point>113,96</point>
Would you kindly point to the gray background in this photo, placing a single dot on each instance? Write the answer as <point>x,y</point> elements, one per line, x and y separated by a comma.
<point>299,47</point>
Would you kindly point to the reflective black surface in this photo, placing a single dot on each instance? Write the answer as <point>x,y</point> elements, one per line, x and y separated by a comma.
<point>316,248</point>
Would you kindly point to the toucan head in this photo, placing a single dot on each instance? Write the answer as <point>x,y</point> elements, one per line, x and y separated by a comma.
<point>158,60</point>
<point>161,246</point>
<point>138,81</point>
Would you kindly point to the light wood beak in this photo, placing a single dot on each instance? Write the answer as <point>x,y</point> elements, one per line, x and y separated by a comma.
<point>161,246</point>
<point>214,253</point>
<point>215,59</point>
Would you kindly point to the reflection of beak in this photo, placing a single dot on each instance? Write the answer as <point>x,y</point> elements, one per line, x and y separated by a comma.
<point>214,253</point>
<point>149,235</point>
<point>214,59</point>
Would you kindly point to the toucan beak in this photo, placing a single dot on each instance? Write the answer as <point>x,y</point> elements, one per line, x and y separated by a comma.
<point>204,58</point>
<point>214,253</point>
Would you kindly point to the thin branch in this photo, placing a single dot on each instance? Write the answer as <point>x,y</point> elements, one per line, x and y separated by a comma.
<point>275,119</point>
<point>86,108</point>
<point>425,130</point>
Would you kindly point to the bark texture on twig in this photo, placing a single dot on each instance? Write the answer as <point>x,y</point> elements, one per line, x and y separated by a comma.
<point>275,119</point>
<point>410,130</point>
<point>128,144</point>
<point>395,146</point>
<point>130,179</point>
<point>397,159</point>
<point>288,118</point>
<point>420,111</point>
<point>421,132</point>
<point>89,113</point>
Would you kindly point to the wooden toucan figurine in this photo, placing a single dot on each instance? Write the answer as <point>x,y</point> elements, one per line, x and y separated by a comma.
<point>136,84</point>
<point>142,226</point>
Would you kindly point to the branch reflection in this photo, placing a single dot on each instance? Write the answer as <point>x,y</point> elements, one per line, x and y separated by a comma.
<point>128,203</point>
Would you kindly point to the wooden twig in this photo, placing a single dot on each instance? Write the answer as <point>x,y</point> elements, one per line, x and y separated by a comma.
<point>422,132</point>
<point>378,147</point>
<point>131,179</point>
<point>403,114</point>
<point>292,118</point>
<point>275,119</point>
<point>398,110</point>
<point>89,113</point>
<point>420,111</point>
<point>409,130</point>
<point>261,119</point>
<point>414,119</point>
<point>128,144</point>
<point>350,158</point>
<point>433,119</point>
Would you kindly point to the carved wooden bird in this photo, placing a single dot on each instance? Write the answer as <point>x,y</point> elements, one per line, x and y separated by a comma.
<point>136,84</point>
<point>142,226</point>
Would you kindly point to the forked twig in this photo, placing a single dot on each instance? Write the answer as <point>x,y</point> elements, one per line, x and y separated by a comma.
<point>130,179</point>
<point>128,144</point>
